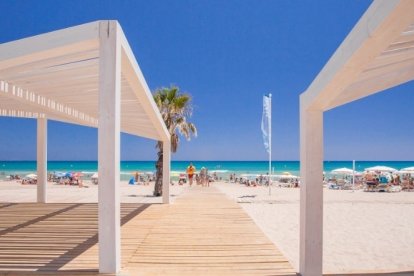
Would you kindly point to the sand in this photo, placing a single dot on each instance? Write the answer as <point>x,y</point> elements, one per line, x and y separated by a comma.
<point>11,191</point>
<point>363,232</point>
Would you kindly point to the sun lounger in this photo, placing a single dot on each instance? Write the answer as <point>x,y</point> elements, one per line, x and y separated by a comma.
<point>370,186</point>
<point>395,189</point>
<point>406,185</point>
<point>343,184</point>
<point>382,187</point>
<point>333,186</point>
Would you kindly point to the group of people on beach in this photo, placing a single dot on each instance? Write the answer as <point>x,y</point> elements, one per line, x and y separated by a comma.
<point>201,178</point>
<point>140,178</point>
<point>372,182</point>
<point>71,180</point>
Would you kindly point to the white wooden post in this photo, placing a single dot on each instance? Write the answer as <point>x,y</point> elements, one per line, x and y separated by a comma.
<point>42,160</point>
<point>311,192</point>
<point>166,172</point>
<point>109,148</point>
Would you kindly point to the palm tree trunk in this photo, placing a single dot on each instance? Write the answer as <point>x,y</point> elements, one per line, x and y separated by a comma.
<point>158,176</point>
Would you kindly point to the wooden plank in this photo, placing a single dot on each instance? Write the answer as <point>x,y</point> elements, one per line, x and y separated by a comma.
<point>203,232</point>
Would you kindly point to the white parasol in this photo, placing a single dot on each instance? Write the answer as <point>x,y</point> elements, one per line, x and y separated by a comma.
<point>380,169</point>
<point>345,171</point>
<point>409,170</point>
<point>31,176</point>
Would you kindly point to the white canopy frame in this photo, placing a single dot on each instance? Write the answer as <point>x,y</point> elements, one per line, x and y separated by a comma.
<point>378,54</point>
<point>85,75</point>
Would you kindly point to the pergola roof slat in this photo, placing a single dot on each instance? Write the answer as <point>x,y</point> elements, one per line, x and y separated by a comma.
<point>18,98</point>
<point>62,68</point>
<point>382,36</point>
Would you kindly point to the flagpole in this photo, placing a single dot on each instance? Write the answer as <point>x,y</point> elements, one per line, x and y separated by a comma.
<point>270,143</point>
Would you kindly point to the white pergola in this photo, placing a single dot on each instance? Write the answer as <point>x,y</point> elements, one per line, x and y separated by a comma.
<point>86,75</point>
<point>378,54</point>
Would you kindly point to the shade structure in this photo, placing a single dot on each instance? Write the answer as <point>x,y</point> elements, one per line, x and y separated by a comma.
<point>56,75</point>
<point>31,176</point>
<point>345,171</point>
<point>59,174</point>
<point>376,55</point>
<point>285,176</point>
<point>408,170</point>
<point>85,75</point>
<point>380,169</point>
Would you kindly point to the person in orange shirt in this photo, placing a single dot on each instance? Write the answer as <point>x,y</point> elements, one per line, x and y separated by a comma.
<point>190,173</point>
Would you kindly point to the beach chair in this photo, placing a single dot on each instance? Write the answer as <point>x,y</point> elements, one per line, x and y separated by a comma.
<point>383,185</point>
<point>348,186</point>
<point>370,186</point>
<point>395,188</point>
<point>182,179</point>
<point>407,185</point>
<point>341,183</point>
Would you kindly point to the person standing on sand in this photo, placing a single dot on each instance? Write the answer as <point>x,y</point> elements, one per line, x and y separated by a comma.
<point>190,173</point>
<point>203,176</point>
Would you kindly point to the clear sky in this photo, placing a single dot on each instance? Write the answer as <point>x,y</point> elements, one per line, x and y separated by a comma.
<point>227,54</point>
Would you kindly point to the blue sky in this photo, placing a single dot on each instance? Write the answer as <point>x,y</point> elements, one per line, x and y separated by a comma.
<point>227,54</point>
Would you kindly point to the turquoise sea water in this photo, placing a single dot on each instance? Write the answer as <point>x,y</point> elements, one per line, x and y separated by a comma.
<point>222,167</point>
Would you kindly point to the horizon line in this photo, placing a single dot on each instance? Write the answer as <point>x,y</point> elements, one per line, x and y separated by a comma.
<point>192,160</point>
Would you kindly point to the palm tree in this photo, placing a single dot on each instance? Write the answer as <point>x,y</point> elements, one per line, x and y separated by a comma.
<point>175,107</point>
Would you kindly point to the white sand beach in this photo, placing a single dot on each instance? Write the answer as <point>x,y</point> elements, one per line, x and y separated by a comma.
<point>11,191</point>
<point>363,232</point>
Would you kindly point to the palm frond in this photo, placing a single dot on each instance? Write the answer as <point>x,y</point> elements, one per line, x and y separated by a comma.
<point>175,108</point>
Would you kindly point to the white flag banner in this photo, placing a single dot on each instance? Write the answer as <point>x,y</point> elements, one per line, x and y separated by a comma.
<point>266,122</point>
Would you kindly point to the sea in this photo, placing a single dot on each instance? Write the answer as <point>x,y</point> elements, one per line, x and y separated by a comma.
<point>222,168</point>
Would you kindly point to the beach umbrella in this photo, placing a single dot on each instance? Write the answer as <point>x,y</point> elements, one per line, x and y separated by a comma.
<point>250,175</point>
<point>286,176</point>
<point>59,174</point>
<point>94,178</point>
<point>345,171</point>
<point>380,169</point>
<point>77,174</point>
<point>286,173</point>
<point>68,174</point>
<point>31,176</point>
<point>409,170</point>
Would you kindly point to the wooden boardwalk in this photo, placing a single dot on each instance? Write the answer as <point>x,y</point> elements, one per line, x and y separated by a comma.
<point>201,233</point>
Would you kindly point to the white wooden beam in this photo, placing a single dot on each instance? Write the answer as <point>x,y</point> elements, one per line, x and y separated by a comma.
<point>49,62</point>
<point>166,145</point>
<point>378,28</point>
<point>109,148</point>
<point>311,191</point>
<point>136,80</point>
<point>364,88</point>
<point>60,69</point>
<point>42,160</point>
<point>49,45</point>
